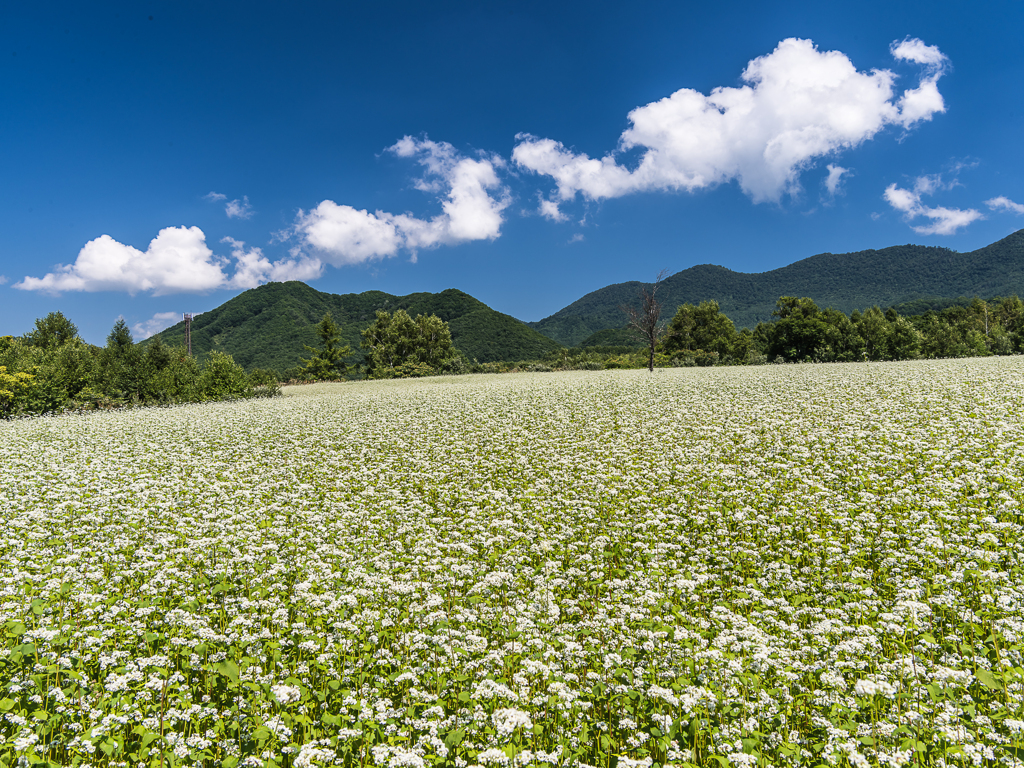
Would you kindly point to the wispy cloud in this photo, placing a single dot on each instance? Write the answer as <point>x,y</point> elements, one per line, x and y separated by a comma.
<point>472,209</point>
<point>3,279</point>
<point>1002,203</point>
<point>234,209</point>
<point>549,210</point>
<point>239,209</point>
<point>798,104</point>
<point>944,221</point>
<point>155,324</point>
<point>834,179</point>
<point>177,260</point>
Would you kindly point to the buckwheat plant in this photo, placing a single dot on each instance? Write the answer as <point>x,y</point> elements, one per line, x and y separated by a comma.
<point>755,566</point>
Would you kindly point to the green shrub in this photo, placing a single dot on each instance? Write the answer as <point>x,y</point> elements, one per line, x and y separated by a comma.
<point>16,391</point>
<point>223,378</point>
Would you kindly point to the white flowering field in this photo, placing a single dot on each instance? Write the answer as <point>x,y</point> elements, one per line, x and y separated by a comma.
<point>772,566</point>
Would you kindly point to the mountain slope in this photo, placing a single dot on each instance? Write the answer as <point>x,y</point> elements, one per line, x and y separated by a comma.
<point>267,327</point>
<point>845,281</point>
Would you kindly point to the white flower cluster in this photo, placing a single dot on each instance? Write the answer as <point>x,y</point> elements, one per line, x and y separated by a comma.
<point>867,687</point>
<point>286,694</point>
<point>507,721</point>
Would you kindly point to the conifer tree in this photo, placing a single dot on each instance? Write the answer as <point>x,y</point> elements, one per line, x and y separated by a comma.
<point>327,363</point>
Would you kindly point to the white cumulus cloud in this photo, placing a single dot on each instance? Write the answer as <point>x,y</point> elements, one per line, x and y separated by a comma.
<point>912,49</point>
<point>922,102</point>
<point>155,324</point>
<point>3,279</point>
<point>176,261</point>
<point>797,104</point>
<point>944,221</point>
<point>1002,203</point>
<point>252,268</point>
<point>472,209</point>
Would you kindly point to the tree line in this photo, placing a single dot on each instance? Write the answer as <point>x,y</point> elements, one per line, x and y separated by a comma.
<point>51,369</point>
<point>701,334</point>
<point>801,331</point>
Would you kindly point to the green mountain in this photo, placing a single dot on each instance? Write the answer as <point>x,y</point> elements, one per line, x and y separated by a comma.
<point>267,327</point>
<point>847,281</point>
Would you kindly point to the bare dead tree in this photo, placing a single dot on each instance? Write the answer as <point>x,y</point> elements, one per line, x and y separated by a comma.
<point>645,320</point>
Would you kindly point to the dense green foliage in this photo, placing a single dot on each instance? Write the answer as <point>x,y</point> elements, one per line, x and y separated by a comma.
<point>705,328</point>
<point>398,346</point>
<point>621,338</point>
<point>846,282</point>
<point>269,326</point>
<point>51,369</point>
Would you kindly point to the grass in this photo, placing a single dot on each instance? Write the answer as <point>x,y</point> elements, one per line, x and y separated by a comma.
<point>771,565</point>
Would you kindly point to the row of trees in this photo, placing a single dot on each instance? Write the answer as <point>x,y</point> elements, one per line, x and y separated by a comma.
<point>398,345</point>
<point>803,331</point>
<point>51,369</point>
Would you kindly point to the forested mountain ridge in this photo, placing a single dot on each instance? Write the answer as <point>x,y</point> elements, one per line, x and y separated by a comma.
<point>269,326</point>
<point>847,281</point>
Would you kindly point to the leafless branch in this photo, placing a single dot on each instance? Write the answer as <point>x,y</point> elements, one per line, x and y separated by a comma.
<point>645,319</point>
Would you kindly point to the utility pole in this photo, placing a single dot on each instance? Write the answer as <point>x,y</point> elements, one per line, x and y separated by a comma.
<point>188,332</point>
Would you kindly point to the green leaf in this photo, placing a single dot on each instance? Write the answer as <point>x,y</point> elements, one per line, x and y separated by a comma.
<point>454,738</point>
<point>6,705</point>
<point>986,678</point>
<point>229,669</point>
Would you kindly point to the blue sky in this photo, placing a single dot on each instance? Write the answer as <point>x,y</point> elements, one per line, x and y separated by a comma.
<point>160,157</point>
